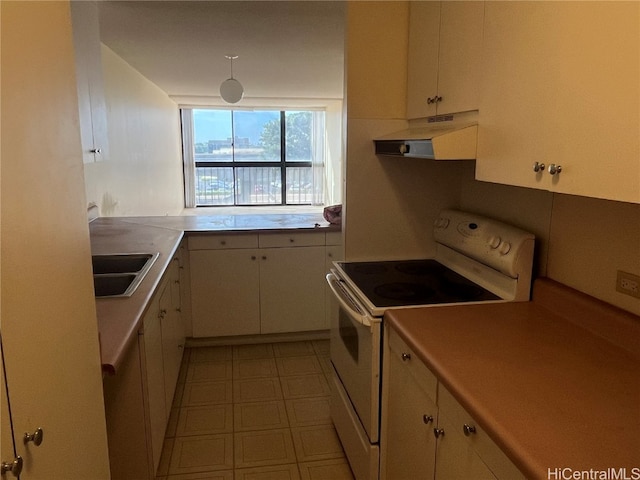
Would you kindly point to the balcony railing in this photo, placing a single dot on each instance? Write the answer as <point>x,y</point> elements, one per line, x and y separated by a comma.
<point>216,186</point>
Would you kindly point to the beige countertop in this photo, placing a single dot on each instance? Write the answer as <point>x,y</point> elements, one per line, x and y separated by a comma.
<point>555,382</point>
<point>239,223</point>
<point>119,319</point>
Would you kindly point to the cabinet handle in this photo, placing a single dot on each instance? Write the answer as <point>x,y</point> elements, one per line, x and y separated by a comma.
<point>427,419</point>
<point>437,99</point>
<point>291,240</point>
<point>438,432</point>
<point>97,151</point>
<point>223,242</point>
<point>253,257</point>
<point>538,167</point>
<point>553,169</point>
<point>35,437</point>
<point>405,357</point>
<point>264,257</point>
<point>14,467</point>
<point>431,100</point>
<point>468,429</point>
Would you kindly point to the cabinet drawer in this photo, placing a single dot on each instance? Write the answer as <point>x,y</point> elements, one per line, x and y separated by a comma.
<point>418,371</point>
<point>486,449</point>
<point>270,240</point>
<point>218,242</point>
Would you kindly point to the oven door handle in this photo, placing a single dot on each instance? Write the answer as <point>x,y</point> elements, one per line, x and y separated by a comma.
<point>346,301</point>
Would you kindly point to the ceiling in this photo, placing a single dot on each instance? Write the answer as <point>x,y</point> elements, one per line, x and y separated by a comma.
<point>286,50</point>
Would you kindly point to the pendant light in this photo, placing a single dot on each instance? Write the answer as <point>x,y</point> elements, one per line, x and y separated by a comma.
<point>231,89</point>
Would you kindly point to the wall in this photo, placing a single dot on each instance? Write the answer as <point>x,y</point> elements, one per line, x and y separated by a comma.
<point>523,207</point>
<point>49,327</point>
<point>143,174</point>
<point>390,204</point>
<point>590,239</point>
<point>580,241</point>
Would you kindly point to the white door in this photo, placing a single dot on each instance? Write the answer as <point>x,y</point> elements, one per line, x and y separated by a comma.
<point>292,289</point>
<point>47,315</point>
<point>225,297</point>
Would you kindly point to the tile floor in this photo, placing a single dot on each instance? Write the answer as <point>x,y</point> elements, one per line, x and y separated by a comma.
<point>253,412</point>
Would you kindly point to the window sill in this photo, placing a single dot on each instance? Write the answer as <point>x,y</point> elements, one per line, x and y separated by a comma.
<point>257,210</point>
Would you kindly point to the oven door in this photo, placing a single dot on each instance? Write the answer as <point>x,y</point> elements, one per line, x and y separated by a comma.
<point>355,349</point>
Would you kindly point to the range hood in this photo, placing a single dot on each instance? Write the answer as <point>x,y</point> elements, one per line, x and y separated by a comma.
<point>437,142</point>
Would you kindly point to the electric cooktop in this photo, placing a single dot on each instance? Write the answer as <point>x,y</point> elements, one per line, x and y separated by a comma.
<point>413,282</point>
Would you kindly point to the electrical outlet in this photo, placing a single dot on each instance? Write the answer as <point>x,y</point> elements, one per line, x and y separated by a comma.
<point>628,283</point>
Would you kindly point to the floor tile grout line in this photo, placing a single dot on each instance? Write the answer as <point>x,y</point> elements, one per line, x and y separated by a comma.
<point>191,360</point>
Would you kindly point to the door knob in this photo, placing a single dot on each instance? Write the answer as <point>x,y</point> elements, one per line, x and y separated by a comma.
<point>553,169</point>
<point>35,437</point>
<point>468,429</point>
<point>14,467</point>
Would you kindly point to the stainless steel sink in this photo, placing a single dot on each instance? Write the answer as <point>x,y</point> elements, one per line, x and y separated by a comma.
<point>119,275</point>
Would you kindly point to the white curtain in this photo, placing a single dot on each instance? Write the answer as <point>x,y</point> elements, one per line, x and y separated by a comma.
<point>318,158</point>
<point>189,164</point>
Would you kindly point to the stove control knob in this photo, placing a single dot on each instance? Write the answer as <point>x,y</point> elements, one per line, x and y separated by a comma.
<point>505,248</point>
<point>494,241</point>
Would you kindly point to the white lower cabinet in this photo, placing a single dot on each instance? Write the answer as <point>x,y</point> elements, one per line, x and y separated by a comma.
<point>251,284</point>
<point>139,396</point>
<point>292,289</point>
<point>409,414</point>
<point>173,333</point>
<point>425,432</point>
<point>153,383</point>
<point>225,296</point>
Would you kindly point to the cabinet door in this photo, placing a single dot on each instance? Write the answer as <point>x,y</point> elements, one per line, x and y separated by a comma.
<point>153,382</point>
<point>7,453</point>
<point>455,459</point>
<point>225,298</point>
<point>91,98</point>
<point>48,314</point>
<point>127,418</point>
<point>445,47</point>
<point>409,415</point>
<point>172,341</point>
<point>459,57</point>
<point>422,79</point>
<point>292,289</point>
<point>560,86</point>
<point>465,449</point>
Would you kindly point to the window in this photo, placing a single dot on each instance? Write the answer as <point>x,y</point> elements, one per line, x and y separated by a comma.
<point>253,157</point>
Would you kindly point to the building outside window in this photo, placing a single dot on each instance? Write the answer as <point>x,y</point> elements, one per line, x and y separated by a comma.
<point>235,157</point>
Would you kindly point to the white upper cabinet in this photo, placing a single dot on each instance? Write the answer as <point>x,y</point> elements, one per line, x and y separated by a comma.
<point>445,46</point>
<point>560,86</point>
<point>91,97</point>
